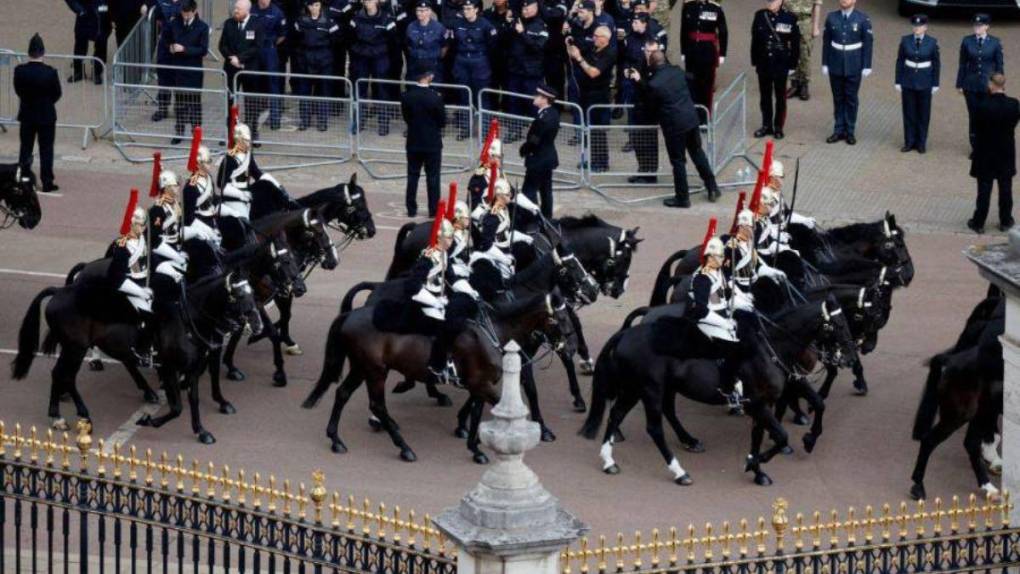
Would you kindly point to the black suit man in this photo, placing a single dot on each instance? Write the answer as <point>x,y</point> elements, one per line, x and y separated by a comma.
<point>539,150</point>
<point>187,39</point>
<point>240,47</point>
<point>425,116</point>
<point>995,120</point>
<point>38,87</point>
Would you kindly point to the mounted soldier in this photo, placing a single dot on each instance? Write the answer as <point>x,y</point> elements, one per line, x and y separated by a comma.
<point>492,260</point>
<point>165,234</point>
<point>129,271</point>
<point>746,266</point>
<point>238,171</point>
<point>201,230</point>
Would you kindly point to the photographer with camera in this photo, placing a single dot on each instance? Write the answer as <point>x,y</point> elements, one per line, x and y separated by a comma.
<point>595,74</point>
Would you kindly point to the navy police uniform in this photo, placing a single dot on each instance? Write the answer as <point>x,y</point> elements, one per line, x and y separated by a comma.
<point>473,44</point>
<point>526,56</point>
<point>554,14</point>
<point>918,68</point>
<point>314,39</point>
<point>539,153</point>
<point>425,45</point>
<point>846,56</point>
<point>274,23</point>
<point>340,12</point>
<point>775,50</point>
<point>91,24</point>
<point>504,34</point>
<point>423,111</point>
<point>979,59</point>
<point>372,40</point>
<point>38,89</point>
<point>703,40</point>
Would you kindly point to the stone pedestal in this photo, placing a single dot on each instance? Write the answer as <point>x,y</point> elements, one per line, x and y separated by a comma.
<point>509,523</point>
<point>1000,264</point>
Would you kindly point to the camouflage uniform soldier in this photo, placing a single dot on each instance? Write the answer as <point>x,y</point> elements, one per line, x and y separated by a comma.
<point>808,13</point>
<point>661,11</point>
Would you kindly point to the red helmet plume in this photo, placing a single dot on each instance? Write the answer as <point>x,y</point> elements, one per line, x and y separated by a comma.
<point>766,161</point>
<point>437,223</point>
<point>493,134</point>
<point>493,174</point>
<point>129,212</point>
<point>451,201</point>
<point>196,141</point>
<point>157,167</point>
<point>763,177</point>
<point>709,234</point>
<point>740,207</point>
<point>231,123</point>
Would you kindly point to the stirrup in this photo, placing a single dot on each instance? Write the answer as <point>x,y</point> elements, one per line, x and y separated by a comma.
<point>144,359</point>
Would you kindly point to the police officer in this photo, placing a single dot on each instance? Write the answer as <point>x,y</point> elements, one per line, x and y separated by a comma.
<point>372,33</point>
<point>314,35</point>
<point>499,15</point>
<point>91,24</point>
<point>529,36</point>
<point>340,12</point>
<point>423,111</point>
<point>703,40</point>
<point>644,143</point>
<point>846,59</point>
<point>187,37</point>
<point>473,40</point>
<point>917,77</point>
<point>274,23</point>
<point>240,45</point>
<point>166,10</point>
<point>38,88</point>
<point>775,42</point>
<point>539,150</point>
<point>425,41</point>
<point>980,57</point>
<point>554,14</point>
<point>809,15</point>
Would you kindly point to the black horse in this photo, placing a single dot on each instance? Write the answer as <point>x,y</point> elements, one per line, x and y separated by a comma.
<point>19,202</point>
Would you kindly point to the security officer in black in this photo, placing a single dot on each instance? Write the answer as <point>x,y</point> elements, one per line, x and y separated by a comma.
<point>554,14</point>
<point>37,86</point>
<point>528,38</point>
<point>91,24</point>
<point>340,12</point>
<point>187,37</point>
<point>917,78</point>
<point>980,57</point>
<point>703,40</point>
<point>423,111</point>
<point>372,39</point>
<point>240,46</point>
<point>499,15</point>
<point>314,36</point>
<point>775,51</point>
<point>539,150</point>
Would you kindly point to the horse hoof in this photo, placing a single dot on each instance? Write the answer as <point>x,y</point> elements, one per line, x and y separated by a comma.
<point>145,421</point>
<point>227,409</point>
<point>375,423</point>
<point>338,446</point>
<point>235,374</point>
<point>279,379</point>
<point>809,442</point>
<point>917,491</point>
<point>206,437</point>
<point>801,420</point>
<point>587,367</point>
<point>614,469</point>
<point>684,480</point>
<point>96,365</point>
<point>762,479</point>
<point>695,447</point>
<point>547,435</point>
<point>618,436</point>
<point>293,350</point>
<point>736,411</point>
<point>59,424</point>
<point>787,450</point>
<point>995,469</point>
<point>580,406</point>
<point>407,455</point>
<point>443,401</point>
<point>150,397</point>
<point>480,458</point>
<point>460,432</point>
<point>860,389</point>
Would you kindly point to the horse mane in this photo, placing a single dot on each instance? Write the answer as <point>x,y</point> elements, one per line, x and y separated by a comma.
<point>325,195</point>
<point>274,221</point>
<point>854,231</point>
<point>533,271</point>
<point>505,309</point>
<point>585,221</point>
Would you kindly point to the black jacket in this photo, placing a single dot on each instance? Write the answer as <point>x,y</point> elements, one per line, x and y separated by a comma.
<point>195,39</point>
<point>995,123</point>
<point>539,149</point>
<point>775,42</point>
<point>243,44</point>
<point>665,91</point>
<point>38,88</point>
<point>425,116</point>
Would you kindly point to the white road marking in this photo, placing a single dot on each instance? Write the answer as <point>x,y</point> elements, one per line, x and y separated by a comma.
<point>50,194</point>
<point>124,432</point>
<point>4,351</point>
<point>32,273</point>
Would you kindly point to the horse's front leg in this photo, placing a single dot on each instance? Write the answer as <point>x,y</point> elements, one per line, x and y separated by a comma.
<point>204,436</point>
<point>233,373</point>
<point>575,389</point>
<point>531,394</point>
<point>213,361</point>
<point>377,405</point>
<point>477,406</point>
<point>587,364</point>
<point>286,306</point>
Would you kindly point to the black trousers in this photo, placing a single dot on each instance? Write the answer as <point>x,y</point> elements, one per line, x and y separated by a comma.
<point>432,162</point>
<point>772,100</point>
<point>45,133</point>
<point>538,185</point>
<point>973,99</point>
<point>916,115</point>
<point>844,103</point>
<point>81,48</point>
<point>677,146</point>
<point>984,196</point>
<point>187,111</point>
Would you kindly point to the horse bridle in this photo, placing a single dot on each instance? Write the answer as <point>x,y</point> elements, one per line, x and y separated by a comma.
<point>222,328</point>
<point>821,353</point>
<point>350,231</point>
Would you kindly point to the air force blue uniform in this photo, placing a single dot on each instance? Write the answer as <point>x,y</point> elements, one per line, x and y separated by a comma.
<point>425,45</point>
<point>274,22</point>
<point>846,52</point>
<point>917,74</point>
<point>979,59</point>
<point>473,43</point>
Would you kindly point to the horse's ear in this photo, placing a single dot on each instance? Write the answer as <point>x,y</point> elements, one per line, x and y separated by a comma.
<point>354,179</point>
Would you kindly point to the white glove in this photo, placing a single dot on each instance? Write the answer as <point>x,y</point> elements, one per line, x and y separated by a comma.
<point>804,220</point>
<point>167,268</point>
<point>524,202</point>
<point>518,237</point>
<point>825,70</point>
<point>462,286</point>
<point>721,60</point>
<point>425,297</point>
<point>791,72</point>
<point>132,289</point>
<point>934,89</point>
<point>683,60</point>
<point>866,72</point>
<point>898,87</point>
<point>269,177</point>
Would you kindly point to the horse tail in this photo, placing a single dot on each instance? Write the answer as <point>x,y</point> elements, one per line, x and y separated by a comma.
<point>28,336</point>
<point>662,280</point>
<point>332,365</point>
<point>402,234</point>
<point>348,301</point>
<point>74,271</point>
<point>602,388</point>
<point>629,321</point>
<point>929,406</point>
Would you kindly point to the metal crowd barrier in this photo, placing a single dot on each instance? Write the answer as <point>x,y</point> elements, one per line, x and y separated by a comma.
<point>297,130</point>
<point>139,47</point>
<point>729,133</point>
<point>570,141</point>
<point>134,106</point>
<point>83,104</point>
<point>380,129</point>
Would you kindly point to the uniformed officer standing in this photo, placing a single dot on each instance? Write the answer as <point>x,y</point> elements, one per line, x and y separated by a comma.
<point>995,121</point>
<point>980,57</point>
<point>340,12</point>
<point>473,40</point>
<point>91,24</point>
<point>703,40</point>
<point>274,23</point>
<point>498,14</point>
<point>423,111</point>
<point>313,37</point>
<point>554,14</point>
<point>38,88</point>
<point>372,37</point>
<point>425,41</point>
<point>188,39</point>
<point>528,38</point>
<point>775,46</point>
<point>240,45</point>
<point>918,68</point>
<point>846,59</point>
<point>809,17</point>
<point>539,150</point>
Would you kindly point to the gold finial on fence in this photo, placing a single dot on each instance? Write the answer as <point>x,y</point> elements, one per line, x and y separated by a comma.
<point>242,488</point>
<point>886,521</point>
<point>180,472</point>
<point>954,514</point>
<point>65,451</point>
<point>100,457</point>
<point>674,543</point>
<point>366,513</point>
<point>833,527</point>
<point>3,440</point>
<point>164,468</point>
<point>869,524</point>
<point>816,530</point>
<point>380,520</point>
<point>601,555</point>
<point>779,522</point>
<point>334,511</point>
<point>636,550</point>
<point>936,525</point>
<point>350,513</point>
<point>972,512</point>
<point>989,511</point>
<point>50,446</point>
<point>851,526</point>
<point>412,529</point>
<point>583,558</point>
<point>318,493</point>
<point>743,537</point>
<point>225,483</point>
<point>689,543</point>
<point>619,552</point>
<point>196,478</point>
<point>920,516</point>
<point>84,442</point>
<point>118,460</point>
<point>33,445</point>
<point>397,526</point>
<point>706,541</point>
<point>286,497</point>
<point>426,530</point>
<point>1006,507</point>
<point>760,534</point>
<point>271,506</point>
<point>17,441</point>
<point>726,539</point>
<point>133,464</point>
<point>256,491</point>
<point>302,501</point>
<point>148,467</point>
<point>798,533</point>
<point>901,519</point>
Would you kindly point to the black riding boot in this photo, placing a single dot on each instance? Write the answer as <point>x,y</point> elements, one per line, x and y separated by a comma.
<point>440,366</point>
<point>143,342</point>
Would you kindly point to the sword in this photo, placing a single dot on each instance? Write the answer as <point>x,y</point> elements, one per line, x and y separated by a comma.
<point>793,199</point>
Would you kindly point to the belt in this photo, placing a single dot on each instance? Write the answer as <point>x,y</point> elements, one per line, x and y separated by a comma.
<point>913,64</point>
<point>702,36</point>
<point>848,47</point>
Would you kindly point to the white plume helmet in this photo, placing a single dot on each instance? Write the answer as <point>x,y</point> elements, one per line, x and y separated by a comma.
<point>242,132</point>
<point>204,156</point>
<point>496,148</point>
<point>446,229</point>
<point>745,218</point>
<point>769,196</point>
<point>502,187</point>
<point>776,169</point>
<point>139,217</point>
<point>167,178</point>
<point>714,248</point>
<point>461,210</point>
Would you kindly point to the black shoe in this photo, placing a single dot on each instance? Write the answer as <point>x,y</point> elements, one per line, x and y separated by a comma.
<point>599,168</point>
<point>793,91</point>
<point>383,131</point>
<point>921,149</point>
<point>973,226</point>
<point>175,141</point>
<point>256,144</point>
<point>642,179</point>
<point>762,132</point>
<point>778,134</point>
<point>322,127</point>
<point>804,95</point>
<point>574,140</point>
<point>74,78</point>
<point>835,138</point>
<point>159,116</point>
<point>462,136</point>
<point>274,125</point>
<point>50,188</point>
<point>851,140</point>
<point>714,194</point>
<point>1006,226</point>
<point>906,148</point>
<point>677,202</point>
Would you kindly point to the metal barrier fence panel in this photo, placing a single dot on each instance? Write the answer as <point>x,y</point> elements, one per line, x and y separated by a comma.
<point>83,103</point>
<point>139,47</point>
<point>380,129</point>
<point>633,151</point>
<point>135,108</point>
<point>570,141</point>
<point>297,130</point>
<point>729,133</point>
